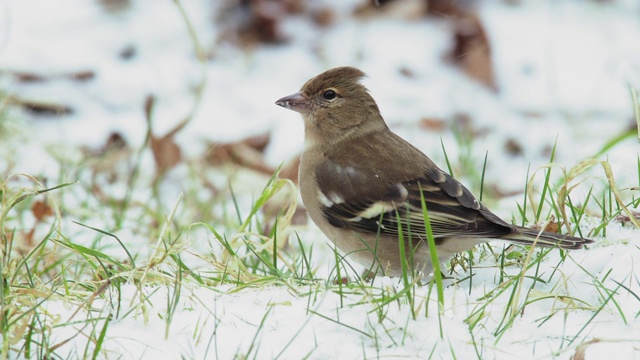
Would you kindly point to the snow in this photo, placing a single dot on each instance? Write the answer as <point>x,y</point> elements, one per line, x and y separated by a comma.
<point>568,63</point>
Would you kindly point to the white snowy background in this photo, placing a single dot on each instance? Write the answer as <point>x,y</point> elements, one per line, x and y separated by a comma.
<point>563,70</point>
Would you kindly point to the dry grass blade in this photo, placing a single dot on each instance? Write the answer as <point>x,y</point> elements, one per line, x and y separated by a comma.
<point>580,169</point>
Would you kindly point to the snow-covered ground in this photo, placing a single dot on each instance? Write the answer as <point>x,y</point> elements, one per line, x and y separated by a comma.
<point>563,70</point>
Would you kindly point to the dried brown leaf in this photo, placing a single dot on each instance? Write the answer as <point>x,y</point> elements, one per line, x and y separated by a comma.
<point>580,353</point>
<point>41,107</point>
<point>247,153</point>
<point>401,9</point>
<point>256,21</point>
<point>166,152</point>
<point>513,147</point>
<point>323,17</point>
<point>433,124</point>
<point>446,8</point>
<point>40,209</point>
<point>29,77</point>
<point>258,142</point>
<point>407,72</point>
<point>464,124</point>
<point>551,226</point>
<point>115,6</point>
<point>472,51</point>
<point>82,75</point>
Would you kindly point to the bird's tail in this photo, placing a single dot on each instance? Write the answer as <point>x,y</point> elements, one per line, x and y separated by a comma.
<point>526,236</point>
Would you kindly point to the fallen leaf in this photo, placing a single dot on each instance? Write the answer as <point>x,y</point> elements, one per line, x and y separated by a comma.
<point>513,147</point>
<point>580,353</point>
<point>551,226</point>
<point>256,21</point>
<point>247,153</point>
<point>29,77</point>
<point>40,107</point>
<point>433,124</point>
<point>115,6</point>
<point>472,52</point>
<point>463,123</point>
<point>446,8</point>
<point>323,17</point>
<point>166,152</point>
<point>407,72</point>
<point>82,75</point>
<point>40,209</point>
<point>399,9</point>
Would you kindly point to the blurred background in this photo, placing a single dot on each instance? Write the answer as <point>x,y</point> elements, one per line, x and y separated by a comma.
<point>181,87</point>
<point>138,144</point>
<point>139,141</point>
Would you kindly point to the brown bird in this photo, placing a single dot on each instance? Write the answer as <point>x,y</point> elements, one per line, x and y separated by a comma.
<point>362,184</point>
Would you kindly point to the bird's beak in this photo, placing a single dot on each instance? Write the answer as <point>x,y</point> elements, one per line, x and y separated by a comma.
<point>296,102</point>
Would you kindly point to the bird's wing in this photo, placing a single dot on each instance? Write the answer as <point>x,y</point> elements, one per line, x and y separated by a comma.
<point>452,210</point>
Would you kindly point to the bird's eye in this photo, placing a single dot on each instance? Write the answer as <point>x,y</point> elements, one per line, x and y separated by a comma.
<point>329,95</point>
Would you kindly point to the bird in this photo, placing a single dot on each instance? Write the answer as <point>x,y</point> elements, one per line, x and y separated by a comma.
<point>364,186</point>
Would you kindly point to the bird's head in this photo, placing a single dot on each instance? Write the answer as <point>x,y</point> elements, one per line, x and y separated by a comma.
<point>334,104</point>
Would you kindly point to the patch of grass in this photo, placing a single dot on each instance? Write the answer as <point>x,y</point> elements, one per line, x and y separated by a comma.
<point>244,256</point>
<point>51,254</point>
<point>95,244</point>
